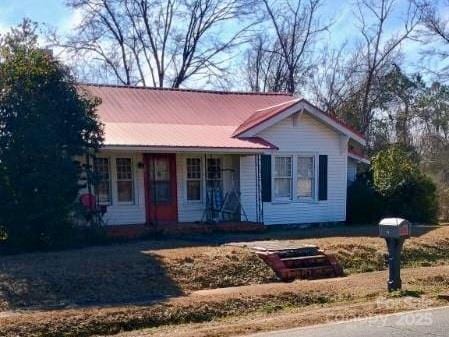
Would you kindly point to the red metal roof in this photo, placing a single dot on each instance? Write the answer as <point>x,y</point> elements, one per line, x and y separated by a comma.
<point>262,115</point>
<point>179,135</point>
<point>137,116</point>
<point>177,106</point>
<point>155,117</point>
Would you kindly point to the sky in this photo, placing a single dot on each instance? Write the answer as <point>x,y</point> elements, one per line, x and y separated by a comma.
<point>55,14</point>
<point>52,12</point>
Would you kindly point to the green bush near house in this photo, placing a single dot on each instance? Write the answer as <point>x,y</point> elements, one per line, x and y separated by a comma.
<point>396,187</point>
<point>365,204</point>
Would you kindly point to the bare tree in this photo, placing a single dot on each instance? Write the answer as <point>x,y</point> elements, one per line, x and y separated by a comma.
<point>156,42</point>
<point>333,81</point>
<point>266,70</point>
<point>284,59</point>
<point>378,50</point>
<point>434,34</point>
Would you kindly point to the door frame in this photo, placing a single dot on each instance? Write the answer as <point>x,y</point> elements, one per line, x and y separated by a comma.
<point>147,183</point>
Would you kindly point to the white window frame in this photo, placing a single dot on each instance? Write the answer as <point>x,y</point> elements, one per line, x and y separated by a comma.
<point>206,173</point>
<point>294,178</point>
<point>110,181</point>
<point>314,177</point>
<point>200,179</point>
<point>273,177</point>
<point>133,174</point>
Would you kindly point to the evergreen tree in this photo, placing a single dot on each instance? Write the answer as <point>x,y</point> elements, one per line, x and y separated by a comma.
<point>46,122</point>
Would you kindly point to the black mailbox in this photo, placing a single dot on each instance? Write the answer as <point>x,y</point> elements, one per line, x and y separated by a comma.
<point>395,231</point>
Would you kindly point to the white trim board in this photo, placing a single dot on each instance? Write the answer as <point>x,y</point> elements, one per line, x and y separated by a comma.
<point>300,106</point>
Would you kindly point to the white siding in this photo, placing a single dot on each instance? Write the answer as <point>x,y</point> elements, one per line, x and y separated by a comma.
<point>248,186</point>
<point>125,214</point>
<point>308,136</point>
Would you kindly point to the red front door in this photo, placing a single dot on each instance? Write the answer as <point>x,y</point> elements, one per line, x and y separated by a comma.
<point>161,196</point>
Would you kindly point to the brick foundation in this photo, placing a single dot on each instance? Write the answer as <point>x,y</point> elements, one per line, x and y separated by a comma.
<point>137,231</point>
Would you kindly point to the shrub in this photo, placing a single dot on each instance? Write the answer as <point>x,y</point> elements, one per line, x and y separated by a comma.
<point>365,204</point>
<point>414,199</point>
<point>405,190</point>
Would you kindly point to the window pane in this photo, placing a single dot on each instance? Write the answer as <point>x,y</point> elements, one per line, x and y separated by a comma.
<point>102,186</point>
<point>213,168</point>
<point>124,168</point>
<point>194,190</point>
<point>305,167</point>
<point>283,167</point>
<point>161,169</point>
<point>102,192</point>
<point>161,192</point>
<point>305,187</point>
<point>193,168</point>
<point>214,176</point>
<point>124,191</point>
<point>282,188</point>
<point>193,179</point>
<point>306,177</point>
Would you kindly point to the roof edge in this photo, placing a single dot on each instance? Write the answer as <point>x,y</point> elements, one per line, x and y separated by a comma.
<point>206,91</point>
<point>359,157</point>
<point>238,132</point>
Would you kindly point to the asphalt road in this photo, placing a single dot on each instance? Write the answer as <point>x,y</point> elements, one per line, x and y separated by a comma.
<point>431,322</point>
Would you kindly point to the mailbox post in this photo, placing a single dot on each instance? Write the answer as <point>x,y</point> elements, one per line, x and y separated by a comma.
<point>395,231</point>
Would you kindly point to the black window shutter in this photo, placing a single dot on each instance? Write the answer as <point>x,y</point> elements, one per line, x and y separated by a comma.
<point>322,178</point>
<point>265,165</point>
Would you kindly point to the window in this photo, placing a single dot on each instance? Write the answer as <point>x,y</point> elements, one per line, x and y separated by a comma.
<point>214,175</point>
<point>305,187</point>
<point>193,179</point>
<point>103,180</point>
<point>160,177</point>
<point>125,190</point>
<point>282,177</point>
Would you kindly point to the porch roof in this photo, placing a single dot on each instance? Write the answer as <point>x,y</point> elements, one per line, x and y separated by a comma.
<point>179,136</point>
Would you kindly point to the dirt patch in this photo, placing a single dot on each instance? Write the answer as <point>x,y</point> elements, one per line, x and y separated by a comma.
<point>210,305</point>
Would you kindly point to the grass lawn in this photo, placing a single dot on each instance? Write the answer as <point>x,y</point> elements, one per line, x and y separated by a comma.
<point>154,283</point>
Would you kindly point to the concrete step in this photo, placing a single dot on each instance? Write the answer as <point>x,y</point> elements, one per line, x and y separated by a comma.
<point>306,251</point>
<point>305,261</point>
<point>289,267</point>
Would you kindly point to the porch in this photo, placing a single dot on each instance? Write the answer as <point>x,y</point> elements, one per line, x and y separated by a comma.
<point>176,192</point>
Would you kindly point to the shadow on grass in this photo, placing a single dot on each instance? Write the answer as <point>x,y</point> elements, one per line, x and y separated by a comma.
<point>297,232</point>
<point>115,274</point>
<point>133,273</point>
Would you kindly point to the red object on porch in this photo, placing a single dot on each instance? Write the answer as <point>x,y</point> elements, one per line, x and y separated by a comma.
<point>89,201</point>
